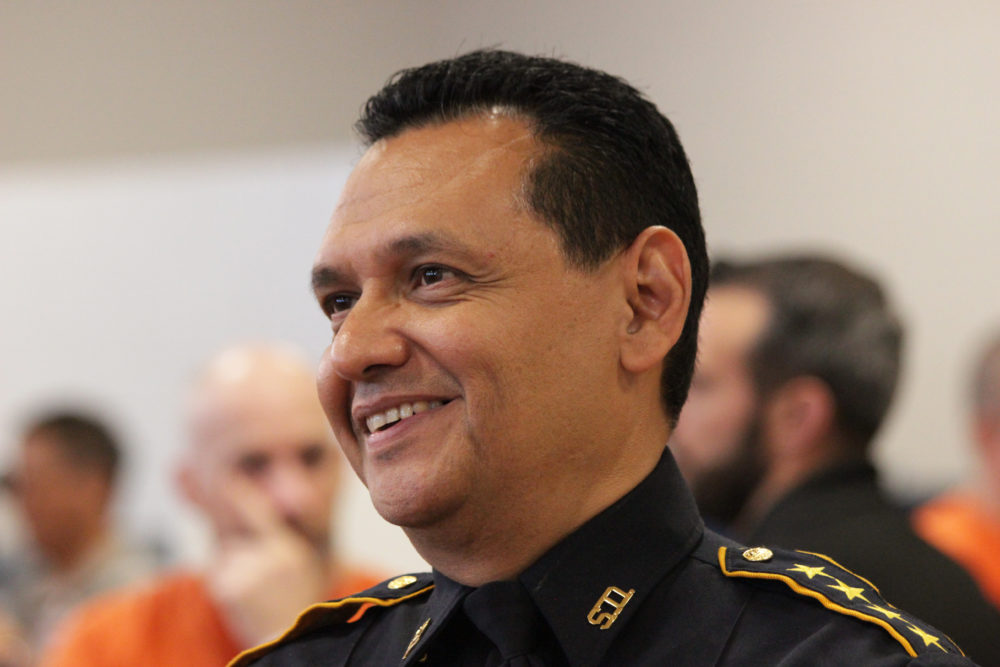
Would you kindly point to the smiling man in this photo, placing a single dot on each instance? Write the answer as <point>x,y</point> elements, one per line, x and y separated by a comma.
<point>513,277</point>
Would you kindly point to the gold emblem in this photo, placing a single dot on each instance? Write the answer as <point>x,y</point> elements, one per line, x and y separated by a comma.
<point>758,555</point>
<point>416,638</point>
<point>402,582</point>
<point>604,619</point>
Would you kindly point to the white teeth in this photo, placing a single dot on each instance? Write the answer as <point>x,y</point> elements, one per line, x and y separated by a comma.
<point>375,422</point>
<point>403,411</point>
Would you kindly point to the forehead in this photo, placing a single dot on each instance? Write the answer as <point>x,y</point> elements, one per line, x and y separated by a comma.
<point>259,420</point>
<point>426,174</point>
<point>42,448</point>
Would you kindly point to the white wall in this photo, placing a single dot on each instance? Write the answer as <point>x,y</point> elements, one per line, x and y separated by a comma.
<point>867,128</point>
<point>119,280</point>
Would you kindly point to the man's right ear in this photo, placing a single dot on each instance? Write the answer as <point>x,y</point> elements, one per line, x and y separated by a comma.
<point>658,288</point>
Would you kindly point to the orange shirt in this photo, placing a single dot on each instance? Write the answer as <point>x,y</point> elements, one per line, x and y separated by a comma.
<point>961,527</point>
<point>171,621</point>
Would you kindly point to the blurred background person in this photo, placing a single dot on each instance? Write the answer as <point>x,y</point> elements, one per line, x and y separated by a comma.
<point>262,467</point>
<point>798,362</point>
<point>63,482</point>
<point>965,523</point>
<point>14,649</point>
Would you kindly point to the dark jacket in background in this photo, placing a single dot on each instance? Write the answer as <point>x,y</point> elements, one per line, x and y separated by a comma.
<point>842,513</point>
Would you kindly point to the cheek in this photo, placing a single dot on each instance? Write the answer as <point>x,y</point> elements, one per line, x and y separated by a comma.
<point>326,381</point>
<point>713,423</point>
<point>333,396</point>
<point>727,415</point>
<point>324,481</point>
<point>36,505</point>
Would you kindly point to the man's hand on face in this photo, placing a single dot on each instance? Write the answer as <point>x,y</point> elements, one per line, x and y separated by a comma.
<point>264,573</point>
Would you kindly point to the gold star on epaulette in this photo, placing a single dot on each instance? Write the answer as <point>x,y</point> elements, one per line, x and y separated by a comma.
<point>850,591</point>
<point>817,576</point>
<point>809,571</point>
<point>929,639</point>
<point>888,613</point>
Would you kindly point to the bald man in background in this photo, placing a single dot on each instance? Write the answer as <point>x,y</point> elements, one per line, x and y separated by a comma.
<point>262,468</point>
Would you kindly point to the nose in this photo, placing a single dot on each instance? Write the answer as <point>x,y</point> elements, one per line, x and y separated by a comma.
<point>296,494</point>
<point>368,340</point>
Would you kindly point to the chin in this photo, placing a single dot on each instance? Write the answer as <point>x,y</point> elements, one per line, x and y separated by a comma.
<point>414,511</point>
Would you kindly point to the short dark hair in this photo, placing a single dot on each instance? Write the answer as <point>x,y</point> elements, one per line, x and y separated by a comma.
<point>85,441</point>
<point>828,321</point>
<point>613,165</point>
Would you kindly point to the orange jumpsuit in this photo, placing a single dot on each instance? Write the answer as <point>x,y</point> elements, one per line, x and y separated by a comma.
<point>961,527</point>
<point>171,621</point>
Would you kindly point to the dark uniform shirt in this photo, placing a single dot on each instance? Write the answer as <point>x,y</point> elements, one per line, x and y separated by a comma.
<point>642,583</point>
<point>842,513</point>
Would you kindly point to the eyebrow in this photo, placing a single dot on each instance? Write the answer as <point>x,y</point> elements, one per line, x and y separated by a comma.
<point>324,277</point>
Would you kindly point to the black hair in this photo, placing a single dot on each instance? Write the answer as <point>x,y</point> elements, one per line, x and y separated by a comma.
<point>611,165</point>
<point>83,440</point>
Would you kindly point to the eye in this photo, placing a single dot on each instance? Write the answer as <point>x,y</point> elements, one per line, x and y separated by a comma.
<point>313,456</point>
<point>431,274</point>
<point>253,464</point>
<point>338,303</point>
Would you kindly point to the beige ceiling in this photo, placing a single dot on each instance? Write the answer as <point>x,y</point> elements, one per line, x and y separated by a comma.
<point>85,78</point>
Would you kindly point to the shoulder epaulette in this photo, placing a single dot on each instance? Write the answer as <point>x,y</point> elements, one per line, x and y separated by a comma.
<point>836,588</point>
<point>346,610</point>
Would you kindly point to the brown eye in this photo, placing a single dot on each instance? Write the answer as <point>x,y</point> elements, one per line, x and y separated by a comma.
<point>429,275</point>
<point>338,303</point>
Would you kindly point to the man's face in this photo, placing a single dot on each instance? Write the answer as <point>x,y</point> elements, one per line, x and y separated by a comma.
<point>717,442</point>
<point>58,498</point>
<point>262,444</point>
<point>460,379</point>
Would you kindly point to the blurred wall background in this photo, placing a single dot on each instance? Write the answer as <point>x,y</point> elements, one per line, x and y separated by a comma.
<point>167,169</point>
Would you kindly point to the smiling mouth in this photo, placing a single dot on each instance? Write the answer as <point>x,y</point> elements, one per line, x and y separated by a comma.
<point>382,421</point>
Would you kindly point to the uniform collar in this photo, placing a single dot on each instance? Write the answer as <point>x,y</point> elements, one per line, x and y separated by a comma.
<point>630,547</point>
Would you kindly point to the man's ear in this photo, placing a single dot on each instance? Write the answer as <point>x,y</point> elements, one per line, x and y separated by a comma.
<point>799,417</point>
<point>658,288</point>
